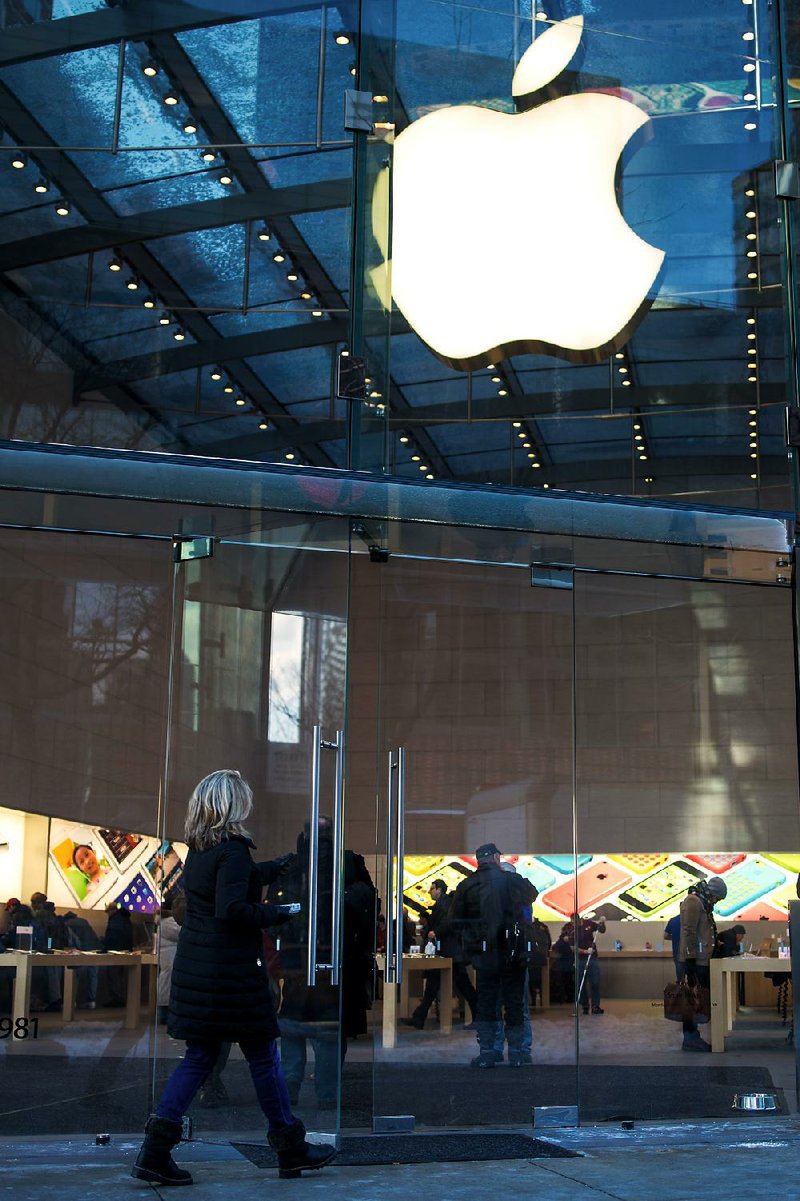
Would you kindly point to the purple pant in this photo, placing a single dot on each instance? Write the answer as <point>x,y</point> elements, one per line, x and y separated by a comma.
<point>197,1064</point>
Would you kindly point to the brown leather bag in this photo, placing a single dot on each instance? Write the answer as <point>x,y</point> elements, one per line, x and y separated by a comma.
<point>687,1003</point>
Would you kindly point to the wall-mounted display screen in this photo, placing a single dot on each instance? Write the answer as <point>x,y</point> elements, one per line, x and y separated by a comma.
<point>95,867</point>
<point>627,887</point>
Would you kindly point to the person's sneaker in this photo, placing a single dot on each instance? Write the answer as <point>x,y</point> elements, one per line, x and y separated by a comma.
<point>597,1009</point>
<point>88,1005</point>
<point>520,1059</point>
<point>486,1059</point>
<point>693,1042</point>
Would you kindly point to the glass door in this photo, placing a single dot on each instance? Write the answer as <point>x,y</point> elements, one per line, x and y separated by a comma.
<point>460,718</point>
<point>259,660</point>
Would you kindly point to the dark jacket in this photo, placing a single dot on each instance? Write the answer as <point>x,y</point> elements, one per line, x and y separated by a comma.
<point>119,931</point>
<point>220,990</point>
<point>485,909</point>
<point>448,942</point>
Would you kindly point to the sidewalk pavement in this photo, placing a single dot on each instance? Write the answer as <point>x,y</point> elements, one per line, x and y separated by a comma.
<point>745,1159</point>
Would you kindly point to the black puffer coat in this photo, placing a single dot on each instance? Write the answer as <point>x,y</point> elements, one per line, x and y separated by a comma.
<point>220,990</point>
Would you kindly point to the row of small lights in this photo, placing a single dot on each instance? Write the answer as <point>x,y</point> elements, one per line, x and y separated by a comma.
<point>416,454</point>
<point>751,233</point>
<point>218,375</point>
<point>640,441</point>
<point>19,162</point>
<point>751,67</point>
<point>623,368</point>
<point>527,442</point>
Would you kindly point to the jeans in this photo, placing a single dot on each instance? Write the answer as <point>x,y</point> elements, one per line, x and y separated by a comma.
<point>89,974</point>
<point>327,1058</point>
<point>198,1063</point>
<point>590,974</point>
<point>500,989</point>
<point>501,1033</point>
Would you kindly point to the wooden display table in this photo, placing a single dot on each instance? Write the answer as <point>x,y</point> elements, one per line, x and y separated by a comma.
<point>724,1001</point>
<point>24,962</point>
<point>416,963</point>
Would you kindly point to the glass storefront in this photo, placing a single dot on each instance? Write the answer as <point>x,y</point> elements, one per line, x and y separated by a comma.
<point>616,713</point>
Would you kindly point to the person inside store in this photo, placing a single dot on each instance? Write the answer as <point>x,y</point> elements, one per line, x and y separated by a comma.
<point>81,936</point>
<point>118,937</point>
<point>541,943</point>
<point>729,942</point>
<point>582,931</point>
<point>436,921</point>
<point>562,971</point>
<point>487,916</point>
<point>220,991</point>
<point>698,946</point>
<point>169,928</point>
<point>672,933</point>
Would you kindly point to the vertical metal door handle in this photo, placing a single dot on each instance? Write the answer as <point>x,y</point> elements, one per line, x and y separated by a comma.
<point>337,882</point>
<point>388,966</point>
<point>313,858</point>
<point>400,853</point>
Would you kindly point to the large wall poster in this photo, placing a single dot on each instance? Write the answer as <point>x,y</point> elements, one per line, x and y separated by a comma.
<point>91,867</point>
<point>628,887</point>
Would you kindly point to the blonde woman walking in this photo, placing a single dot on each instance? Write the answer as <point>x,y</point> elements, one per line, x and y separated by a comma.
<point>220,991</point>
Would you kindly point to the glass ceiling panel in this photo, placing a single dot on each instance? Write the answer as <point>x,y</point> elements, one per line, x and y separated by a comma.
<point>72,95</point>
<point>305,166</point>
<point>297,375</point>
<point>264,73</point>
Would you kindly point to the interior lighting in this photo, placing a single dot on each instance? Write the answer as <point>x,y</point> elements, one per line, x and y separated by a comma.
<point>305,295</point>
<point>502,392</point>
<point>749,36</point>
<point>132,284</point>
<point>750,125</point>
<point>752,275</point>
<point>643,458</point>
<point>752,412</point>
<point>42,185</point>
<point>216,374</point>
<point>164,319</point>
<point>545,485</point>
<point>423,467</point>
<point>751,237</point>
<point>752,379</point>
<point>626,383</point>
<point>753,455</point>
<point>342,39</point>
<point>63,208</point>
<point>179,335</point>
<point>521,434</point>
<point>149,302</point>
<point>749,96</point>
<point>639,437</point>
<point>754,446</point>
<point>749,66</point>
<point>619,355</point>
<point>416,458</point>
<point>751,423</point>
<point>496,379</point>
<point>622,370</point>
<point>290,454</point>
<point>263,425</point>
<point>115,264</point>
<point>380,99</point>
<point>241,401</point>
<point>751,335</point>
<point>19,161</point>
<point>429,476</point>
<point>279,257</point>
<point>208,155</point>
<point>404,438</point>
<point>750,214</point>
<point>752,254</point>
<point>753,475</point>
<point>316,313</point>
<point>189,126</point>
<point>292,276</point>
<point>263,234</point>
<point>749,192</point>
<point>225,177</point>
<point>171,98</point>
<point>490,366</point>
<point>751,320</point>
<point>150,68</point>
<point>516,425</point>
<point>228,388</point>
<point>352,68</point>
<point>374,395</point>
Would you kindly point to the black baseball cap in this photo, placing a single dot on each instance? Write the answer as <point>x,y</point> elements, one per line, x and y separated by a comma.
<point>487,850</point>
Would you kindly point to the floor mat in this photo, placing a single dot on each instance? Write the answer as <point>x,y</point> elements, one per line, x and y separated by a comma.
<point>424,1148</point>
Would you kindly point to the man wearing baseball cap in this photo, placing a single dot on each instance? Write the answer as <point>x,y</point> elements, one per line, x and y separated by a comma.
<point>698,945</point>
<point>488,917</point>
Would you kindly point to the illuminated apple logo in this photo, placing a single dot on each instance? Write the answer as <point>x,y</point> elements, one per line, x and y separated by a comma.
<point>506,233</point>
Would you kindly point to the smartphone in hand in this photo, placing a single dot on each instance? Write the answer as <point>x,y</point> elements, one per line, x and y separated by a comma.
<point>289,910</point>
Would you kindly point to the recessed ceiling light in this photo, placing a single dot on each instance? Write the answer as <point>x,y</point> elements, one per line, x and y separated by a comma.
<point>149,302</point>
<point>263,234</point>
<point>189,127</point>
<point>496,379</point>
<point>241,401</point>
<point>279,257</point>
<point>749,192</point>
<point>216,374</point>
<point>751,237</point>
<point>748,36</point>
<point>132,284</point>
<point>750,125</point>
<point>502,392</point>
<point>290,454</point>
<point>752,275</point>
<point>225,177</point>
<point>305,295</point>
<point>751,320</point>
<point>380,99</point>
<point>164,319</point>
<point>749,96</point>
<point>63,208</point>
<point>423,467</point>
<point>342,39</point>
<point>228,388</point>
<point>429,476</point>
<point>416,458</point>
<point>171,98</point>
<point>749,66</point>
<point>115,264</point>
<point>750,214</point>
<point>263,425</point>
<point>626,383</point>
<point>19,161</point>
<point>316,313</point>
<point>753,475</point>
<point>179,335</point>
<point>516,425</point>
<point>208,155</point>
<point>42,185</point>
<point>292,277</point>
<point>150,68</point>
<point>404,438</point>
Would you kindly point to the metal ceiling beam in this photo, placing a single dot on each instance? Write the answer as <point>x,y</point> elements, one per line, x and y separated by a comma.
<point>219,350</point>
<point>135,21</point>
<point>180,219</point>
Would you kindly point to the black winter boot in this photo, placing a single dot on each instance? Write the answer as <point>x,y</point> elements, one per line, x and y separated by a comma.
<point>154,1162</point>
<point>295,1155</point>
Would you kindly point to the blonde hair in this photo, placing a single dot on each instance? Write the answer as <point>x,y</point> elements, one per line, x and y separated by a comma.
<point>217,808</point>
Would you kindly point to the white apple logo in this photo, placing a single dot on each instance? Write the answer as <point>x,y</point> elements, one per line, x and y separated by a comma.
<point>506,233</point>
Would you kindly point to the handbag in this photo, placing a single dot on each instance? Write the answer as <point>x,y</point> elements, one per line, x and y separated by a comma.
<point>687,1003</point>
